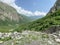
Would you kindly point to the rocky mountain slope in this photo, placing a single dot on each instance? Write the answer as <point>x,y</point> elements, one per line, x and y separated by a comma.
<point>49,24</point>
<point>8,15</point>
<point>9,18</point>
<point>55,7</point>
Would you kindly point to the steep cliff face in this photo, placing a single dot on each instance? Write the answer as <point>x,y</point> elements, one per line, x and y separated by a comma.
<point>8,12</point>
<point>55,7</point>
<point>8,15</point>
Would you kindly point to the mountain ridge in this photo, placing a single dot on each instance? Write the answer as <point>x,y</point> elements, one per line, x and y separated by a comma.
<point>52,19</point>
<point>10,18</point>
<point>55,7</point>
<point>9,14</point>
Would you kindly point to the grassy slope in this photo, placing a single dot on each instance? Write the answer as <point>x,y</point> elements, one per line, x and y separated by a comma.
<point>43,23</point>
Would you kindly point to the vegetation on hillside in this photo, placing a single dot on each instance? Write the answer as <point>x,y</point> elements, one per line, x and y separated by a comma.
<point>43,23</point>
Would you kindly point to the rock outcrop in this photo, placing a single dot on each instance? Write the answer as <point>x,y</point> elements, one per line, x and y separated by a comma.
<point>9,15</point>
<point>55,7</point>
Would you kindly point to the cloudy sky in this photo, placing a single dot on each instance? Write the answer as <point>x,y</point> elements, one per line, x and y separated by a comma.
<point>31,7</point>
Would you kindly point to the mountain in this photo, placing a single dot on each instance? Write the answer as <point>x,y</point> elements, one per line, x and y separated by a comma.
<point>49,23</point>
<point>36,17</point>
<point>55,7</point>
<point>10,17</point>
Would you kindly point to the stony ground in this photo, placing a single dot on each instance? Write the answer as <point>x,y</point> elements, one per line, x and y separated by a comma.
<point>35,38</point>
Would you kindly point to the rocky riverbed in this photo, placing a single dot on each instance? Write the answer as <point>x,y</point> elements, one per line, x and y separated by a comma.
<point>30,38</point>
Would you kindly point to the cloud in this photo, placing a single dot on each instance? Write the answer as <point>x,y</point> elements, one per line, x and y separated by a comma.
<point>21,10</point>
<point>8,1</point>
<point>39,13</point>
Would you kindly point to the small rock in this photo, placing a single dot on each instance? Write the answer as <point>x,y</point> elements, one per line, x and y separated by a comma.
<point>55,36</point>
<point>49,42</point>
<point>57,40</point>
<point>1,42</point>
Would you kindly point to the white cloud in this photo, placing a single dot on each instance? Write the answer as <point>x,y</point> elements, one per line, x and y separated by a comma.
<point>21,10</point>
<point>8,1</point>
<point>39,13</point>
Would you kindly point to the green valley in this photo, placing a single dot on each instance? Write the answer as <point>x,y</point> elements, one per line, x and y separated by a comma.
<point>43,23</point>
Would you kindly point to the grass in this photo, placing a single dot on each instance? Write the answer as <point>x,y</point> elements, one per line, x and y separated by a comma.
<point>6,28</point>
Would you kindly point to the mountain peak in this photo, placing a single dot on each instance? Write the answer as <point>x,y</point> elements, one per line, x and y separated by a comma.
<point>55,7</point>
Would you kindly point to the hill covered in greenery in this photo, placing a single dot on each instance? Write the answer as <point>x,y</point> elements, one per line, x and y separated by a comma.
<point>43,23</point>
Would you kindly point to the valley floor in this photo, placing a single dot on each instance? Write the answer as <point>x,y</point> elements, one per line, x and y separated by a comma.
<point>29,38</point>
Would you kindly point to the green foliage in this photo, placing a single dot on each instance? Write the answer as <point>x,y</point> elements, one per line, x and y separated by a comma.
<point>43,23</point>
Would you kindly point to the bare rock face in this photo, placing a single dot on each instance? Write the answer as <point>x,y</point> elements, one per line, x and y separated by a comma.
<point>9,15</point>
<point>8,12</point>
<point>55,7</point>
